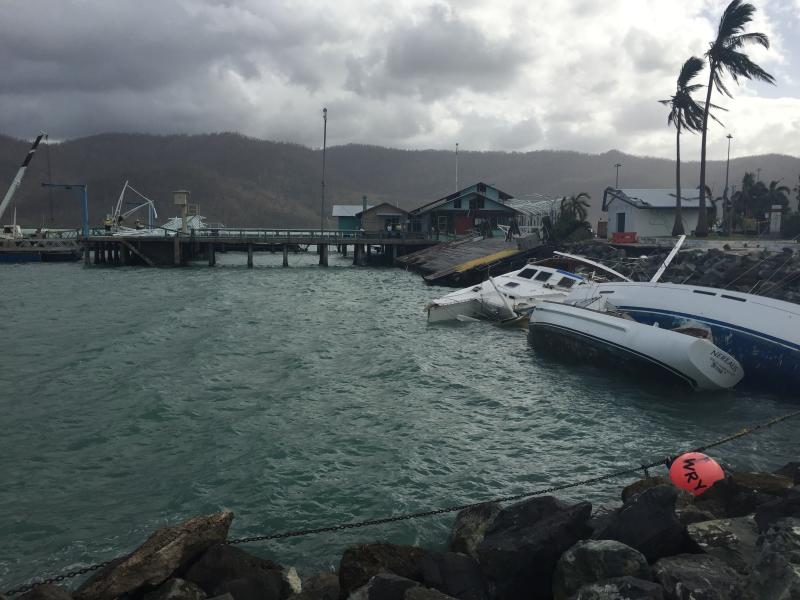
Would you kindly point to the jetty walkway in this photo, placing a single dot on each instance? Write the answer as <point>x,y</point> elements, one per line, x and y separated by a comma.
<point>177,248</point>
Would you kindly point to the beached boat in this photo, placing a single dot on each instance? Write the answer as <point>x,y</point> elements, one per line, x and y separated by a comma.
<point>763,334</point>
<point>596,332</point>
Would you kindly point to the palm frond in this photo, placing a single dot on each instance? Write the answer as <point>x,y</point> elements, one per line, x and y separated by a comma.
<point>689,70</point>
<point>735,17</point>
<point>742,40</point>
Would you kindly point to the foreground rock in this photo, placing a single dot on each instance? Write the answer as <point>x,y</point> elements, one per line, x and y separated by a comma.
<point>384,586</point>
<point>647,522</point>
<point>362,562</point>
<point>158,558</point>
<point>227,569</point>
<point>524,542</point>
<point>733,541</point>
<point>776,571</point>
<point>621,588</point>
<point>324,586</point>
<point>176,589</point>
<point>46,591</point>
<point>699,577</point>
<point>741,493</point>
<point>780,508</point>
<point>591,561</point>
<point>470,527</point>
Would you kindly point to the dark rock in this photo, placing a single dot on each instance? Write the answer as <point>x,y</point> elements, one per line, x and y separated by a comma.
<point>648,523</point>
<point>780,508</point>
<point>46,591</point>
<point>733,541</point>
<point>691,514</point>
<point>268,586</point>
<point>362,562</point>
<point>776,571</point>
<point>176,589</point>
<point>222,563</point>
<point>421,593</point>
<point>791,470</point>
<point>740,494</point>
<point>470,526</point>
<point>324,586</point>
<point>590,561</point>
<point>384,586</point>
<point>521,547</point>
<point>637,487</point>
<point>222,597</point>
<point>698,577</point>
<point>621,588</point>
<point>764,483</point>
<point>160,556</point>
<point>457,575</point>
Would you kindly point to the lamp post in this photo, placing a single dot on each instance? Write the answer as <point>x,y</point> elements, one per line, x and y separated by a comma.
<point>758,174</point>
<point>84,202</point>
<point>456,166</point>
<point>726,206</point>
<point>616,183</point>
<point>324,143</point>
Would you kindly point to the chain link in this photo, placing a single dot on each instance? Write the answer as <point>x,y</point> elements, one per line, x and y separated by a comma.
<point>439,511</point>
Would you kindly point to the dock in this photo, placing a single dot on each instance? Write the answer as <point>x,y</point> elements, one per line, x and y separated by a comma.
<point>176,248</point>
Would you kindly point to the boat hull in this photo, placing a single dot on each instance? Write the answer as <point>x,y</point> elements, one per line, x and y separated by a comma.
<point>624,345</point>
<point>763,334</point>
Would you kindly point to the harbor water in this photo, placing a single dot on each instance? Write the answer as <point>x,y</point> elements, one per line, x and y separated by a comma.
<point>302,397</point>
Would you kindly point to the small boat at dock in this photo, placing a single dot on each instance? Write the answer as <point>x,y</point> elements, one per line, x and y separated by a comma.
<point>596,332</point>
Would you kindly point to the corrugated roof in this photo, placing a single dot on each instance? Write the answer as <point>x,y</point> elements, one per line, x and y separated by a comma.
<point>660,198</point>
<point>348,210</point>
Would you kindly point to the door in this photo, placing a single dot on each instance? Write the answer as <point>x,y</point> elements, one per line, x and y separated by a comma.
<point>620,222</point>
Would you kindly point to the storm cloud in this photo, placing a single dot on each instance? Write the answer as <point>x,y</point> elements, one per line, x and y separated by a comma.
<point>412,74</point>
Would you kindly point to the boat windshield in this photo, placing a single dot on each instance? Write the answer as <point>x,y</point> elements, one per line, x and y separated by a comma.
<point>543,276</point>
<point>527,273</point>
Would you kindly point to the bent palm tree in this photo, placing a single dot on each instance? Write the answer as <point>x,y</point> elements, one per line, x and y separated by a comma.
<point>685,113</point>
<point>725,55</point>
<point>575,207</point>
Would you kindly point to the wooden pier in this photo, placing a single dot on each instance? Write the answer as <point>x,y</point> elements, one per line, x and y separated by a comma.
<point>181,249</point>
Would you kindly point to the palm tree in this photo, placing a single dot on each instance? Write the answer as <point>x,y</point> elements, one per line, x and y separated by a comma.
<point>685,113</point>
<point>725,55</point>
<point>777,194</point>
<point>575,207</point>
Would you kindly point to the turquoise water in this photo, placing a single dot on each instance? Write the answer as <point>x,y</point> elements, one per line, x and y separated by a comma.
<point>300,397</point>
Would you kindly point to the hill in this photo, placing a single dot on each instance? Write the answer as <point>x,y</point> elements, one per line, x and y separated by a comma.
<point>246,182</point>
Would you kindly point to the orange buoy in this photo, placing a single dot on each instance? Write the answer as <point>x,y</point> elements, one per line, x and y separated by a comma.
<point>695,472</point>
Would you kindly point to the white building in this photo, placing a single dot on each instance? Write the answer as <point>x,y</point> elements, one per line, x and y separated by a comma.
<point>650,213</point>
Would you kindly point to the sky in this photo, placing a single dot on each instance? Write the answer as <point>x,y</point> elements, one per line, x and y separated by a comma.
<point>510,75</point>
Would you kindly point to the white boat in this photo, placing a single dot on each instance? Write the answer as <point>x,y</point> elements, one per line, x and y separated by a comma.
<point>763,334</point>
<point>505,296</point>
<point>596,332</point>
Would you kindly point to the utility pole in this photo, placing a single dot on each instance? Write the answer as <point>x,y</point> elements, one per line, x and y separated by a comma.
<point>616,183</point>
<point>324,144</point>
<point>725,205</point>
<point>758,174</point>
<point>456,166</point>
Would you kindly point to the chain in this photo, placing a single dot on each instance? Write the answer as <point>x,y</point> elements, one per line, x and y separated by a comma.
<point>439,511</point>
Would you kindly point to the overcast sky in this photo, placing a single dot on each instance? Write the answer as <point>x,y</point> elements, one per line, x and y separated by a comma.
<point>489,74</point>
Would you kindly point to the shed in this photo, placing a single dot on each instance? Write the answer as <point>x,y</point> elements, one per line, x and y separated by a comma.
<point>383,217</point>
<point>475,207</point>
<point>650,212</point>
<point>347,215</point>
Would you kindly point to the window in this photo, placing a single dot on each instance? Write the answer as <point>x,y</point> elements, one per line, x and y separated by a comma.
<point>457,203</point>
<point>480,202</point>
<point>543,276</point>
<point>512,284</point>
<point>527,273</point>
<point>566,282</point>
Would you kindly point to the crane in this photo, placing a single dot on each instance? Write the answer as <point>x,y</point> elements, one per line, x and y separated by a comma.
<point>18,178</point>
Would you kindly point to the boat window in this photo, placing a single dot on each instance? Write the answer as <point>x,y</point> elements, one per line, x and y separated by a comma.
<point>477,288</point>
<point>543,276</point>
<point>733,298</point>
<point>512,284</point>
<point>705,293</point>
<point>607,292</point>
<point>526,273</point>
<point>566,282</point>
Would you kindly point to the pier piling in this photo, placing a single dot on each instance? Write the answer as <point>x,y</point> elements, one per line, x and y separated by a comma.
<point>212,256</point>
<point>323,255</point>
<point>250,255</point>
<point>285,255</point>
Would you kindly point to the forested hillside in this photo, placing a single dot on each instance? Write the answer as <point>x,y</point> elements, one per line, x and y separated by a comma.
<point>247,182</point>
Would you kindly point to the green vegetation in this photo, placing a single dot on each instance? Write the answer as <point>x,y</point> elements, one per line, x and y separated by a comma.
<point>571,224</point>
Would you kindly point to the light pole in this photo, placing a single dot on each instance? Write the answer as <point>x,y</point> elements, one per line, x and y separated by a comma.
<point>324,143</point>
<point>456,166</point>
<point>758,174</point>
<point>616,183</point>
<point>726,206</point>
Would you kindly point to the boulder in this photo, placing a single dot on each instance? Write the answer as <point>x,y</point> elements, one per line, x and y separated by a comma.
<point>698,577</point>
<point>222,597</point>
<point>470,526</point>
<point>362,562</point>
<point>222,564</point>
<point>733,541</point>
<point>776,571</point>
<point>740,494</point>
<point>384,586</point>
<point>590,561</point>
<point>524,542</point>
<point>421,593</point>
<point>691,514</point>
<point>637,487</point>
<point>780,508</point>
<point>158,558</point>
<point>46,591</point>
<point>253,587</point>
<point>621,588</point>
<point>324,586</point>
<point>648,523</point>
<point>176,589</point>
<point>791,470</point>
<point>456,575</point>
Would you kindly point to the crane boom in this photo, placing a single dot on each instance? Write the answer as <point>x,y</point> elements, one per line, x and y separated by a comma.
<point>18,178</point>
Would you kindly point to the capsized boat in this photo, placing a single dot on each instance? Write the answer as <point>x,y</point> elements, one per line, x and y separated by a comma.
<point>595,331</point>
<point>763,334</point>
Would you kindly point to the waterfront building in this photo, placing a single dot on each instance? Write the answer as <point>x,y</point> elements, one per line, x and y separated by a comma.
<point>347,216</point>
